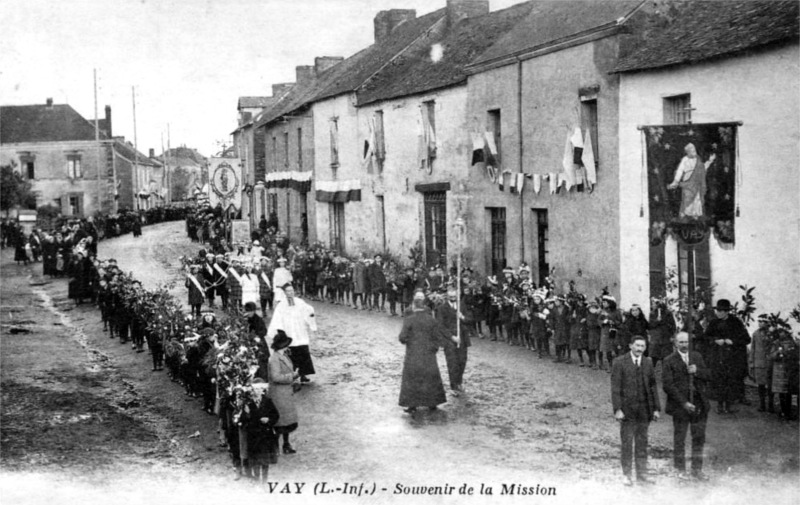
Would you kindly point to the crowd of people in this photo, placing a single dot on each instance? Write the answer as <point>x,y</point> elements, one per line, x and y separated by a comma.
<point>568,327</point>
<point>63,232</point>
<point>245,365</point>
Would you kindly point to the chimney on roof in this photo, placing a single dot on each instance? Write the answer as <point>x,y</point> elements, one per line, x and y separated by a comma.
<point>303,74</point>
<point>49,102</point>
<point>279,90</point>
<point>386,21</point>
<point>152,154</point>
<point>323,63</point>
<point>461,9</point>
<point>108,120</point>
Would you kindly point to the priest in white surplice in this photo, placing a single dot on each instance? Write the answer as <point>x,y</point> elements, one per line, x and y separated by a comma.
<point>295,317</point>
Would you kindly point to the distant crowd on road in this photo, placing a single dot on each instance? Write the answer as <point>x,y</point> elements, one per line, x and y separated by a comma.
<point>64,233</point>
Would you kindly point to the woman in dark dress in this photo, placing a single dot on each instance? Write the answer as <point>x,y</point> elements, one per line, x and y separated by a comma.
<point>257,421</point>
<point>662,330</point>
<point>422,335</point>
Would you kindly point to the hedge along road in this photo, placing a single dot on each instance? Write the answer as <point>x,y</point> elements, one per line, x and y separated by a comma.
<point>83,416</point>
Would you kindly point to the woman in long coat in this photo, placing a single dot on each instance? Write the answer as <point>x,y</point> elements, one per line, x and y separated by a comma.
<point>611,320</point>
<point>281,377</point>
<point>662,330</point>
<point>422,335</point>
<point>257,422</point>
<point>558,321</point>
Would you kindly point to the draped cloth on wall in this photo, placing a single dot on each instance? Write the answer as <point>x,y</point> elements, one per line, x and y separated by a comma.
<point>691,181</point>
<point>298,181</point>
<point>339,191</point>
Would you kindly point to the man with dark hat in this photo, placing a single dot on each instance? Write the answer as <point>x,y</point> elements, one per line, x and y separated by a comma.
<point>685,376</point>
<point>726,337</point>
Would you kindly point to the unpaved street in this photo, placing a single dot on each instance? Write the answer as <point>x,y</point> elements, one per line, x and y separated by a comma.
<point>84,417</point>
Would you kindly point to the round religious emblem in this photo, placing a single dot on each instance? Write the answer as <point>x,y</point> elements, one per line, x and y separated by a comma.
<point>225,182</point>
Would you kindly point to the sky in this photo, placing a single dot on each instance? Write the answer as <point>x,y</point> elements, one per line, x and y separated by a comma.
<point>189,60</point>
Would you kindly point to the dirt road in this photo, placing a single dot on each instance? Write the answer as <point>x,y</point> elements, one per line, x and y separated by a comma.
<point>83,416</point>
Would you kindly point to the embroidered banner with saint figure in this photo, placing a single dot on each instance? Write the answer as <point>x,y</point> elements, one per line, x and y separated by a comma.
<point>691,181</point>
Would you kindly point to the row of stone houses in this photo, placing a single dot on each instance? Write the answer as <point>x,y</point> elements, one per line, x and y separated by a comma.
<point>74,167</point>
<point>530,124</point>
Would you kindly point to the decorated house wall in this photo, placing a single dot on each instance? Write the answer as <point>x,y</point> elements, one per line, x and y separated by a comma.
<point>397,177</point>
<point>50,170</point>
<point>289,200</point>
<point>583,225</point>
<point>759,246</point>
<point>323,111</point>
<point>402,176</point>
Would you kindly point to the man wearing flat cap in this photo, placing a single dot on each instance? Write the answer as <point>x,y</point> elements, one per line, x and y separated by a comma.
<point>726,340</point>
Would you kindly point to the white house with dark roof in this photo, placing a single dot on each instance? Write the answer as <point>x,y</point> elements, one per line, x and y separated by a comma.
<point>732,65</point>
<point>54,147</point>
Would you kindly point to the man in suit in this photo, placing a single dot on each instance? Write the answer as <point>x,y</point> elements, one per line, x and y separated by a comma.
<point>455,355</point>
<point>685,376</point>
<point>634,398</point>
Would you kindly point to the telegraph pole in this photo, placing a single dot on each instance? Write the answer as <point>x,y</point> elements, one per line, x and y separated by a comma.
<point>97,143</point>
<point>136,152</point>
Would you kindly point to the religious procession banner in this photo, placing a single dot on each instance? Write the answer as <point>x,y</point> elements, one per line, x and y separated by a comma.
<point>225,176</point>
<point>691,182</point>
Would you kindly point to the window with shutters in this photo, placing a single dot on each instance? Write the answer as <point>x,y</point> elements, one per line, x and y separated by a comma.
<point>497,222</point>
<point>334,139</point>
<point>286,150</point>
<point>494,124</point>
<point>300,149</point>
<point>274,156</point>
<point>380,143</point>
<point>435,204</point>
<point>589,123</point>
<point>337,226</point>
<point>76,204</point>
<point>678,109</point>
<point>28,164</point>
<point>542,244</point>
<point>702,271</point>
<point>74,169</point>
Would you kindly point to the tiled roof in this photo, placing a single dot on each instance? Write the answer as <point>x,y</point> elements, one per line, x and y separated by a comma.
<point>709,29</point>
<point>127,151</point>
<point>551,21</point>
<point>414,71</point>
<point>43,123</point>
<point>351,73</point>
<point>249,102</point>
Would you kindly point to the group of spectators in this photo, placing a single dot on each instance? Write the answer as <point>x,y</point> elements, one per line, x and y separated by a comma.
<point>63,233</point>
<point>568,327</point>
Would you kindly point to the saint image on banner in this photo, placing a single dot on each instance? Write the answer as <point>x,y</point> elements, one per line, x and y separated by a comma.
<point>690,177</point>
<point>691,174</point>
